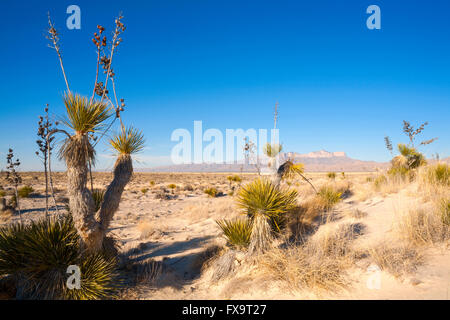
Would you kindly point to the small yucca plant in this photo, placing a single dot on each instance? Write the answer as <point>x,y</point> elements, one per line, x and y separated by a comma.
<point>129,141</point>
<point>237,232</point>
<point>98,196</point>
<point>266,204</point>
<point>38,255</point>
<point>263,197</point>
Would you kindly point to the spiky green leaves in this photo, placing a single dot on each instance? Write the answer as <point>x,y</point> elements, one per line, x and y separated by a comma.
<point>84,116</point>
<point>262,197</point>
<point>129,141</point>
<point>411,157</point>
<point>38,255</point>
<point>237,231</point>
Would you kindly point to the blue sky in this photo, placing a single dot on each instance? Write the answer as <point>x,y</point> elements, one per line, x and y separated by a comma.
<point>340,86</point>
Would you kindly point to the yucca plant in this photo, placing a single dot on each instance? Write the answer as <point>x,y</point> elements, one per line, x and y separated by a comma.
<point>290,170</point>
<point>265,204</point>
<point>98,196</point>
<point>37,257</point>
<point>84,118</point>
<point>129,141</point>
<point>236,231</point>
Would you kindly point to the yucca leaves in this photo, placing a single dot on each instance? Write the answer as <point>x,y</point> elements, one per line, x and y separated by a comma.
<point>84,116</point>
<point>262,197</point>
<point>98,196</point>
<point>38,255</point>
<point>237,231</point>
<point>129,141</point>
<point>271,150</point>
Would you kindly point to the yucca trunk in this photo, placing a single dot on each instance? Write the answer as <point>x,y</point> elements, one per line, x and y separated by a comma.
<point>123,170</point>
<point>261,237</point>
<point>91,228</point>
<point>81,203</point>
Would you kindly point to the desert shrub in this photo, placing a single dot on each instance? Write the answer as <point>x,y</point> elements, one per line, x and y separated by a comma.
<point>422,226</point>
<point>144,190</point>
<point>25,191</point>
<point>98,196</point>
<point>395,260</point>
<point>379,181</point>
<point>2,193</point>
<point>38,255</point>
<point>331,175</point>
<point>172,187</point>
<point>444,208</point>
<point>152,183</point>
<point>237,231</point>
<point>188,187</point>
<point>262,197</point>
<point>438,174</point>
<point>212,192</point>
<point>329,196</point>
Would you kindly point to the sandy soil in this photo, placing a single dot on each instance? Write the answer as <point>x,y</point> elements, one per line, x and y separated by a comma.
<point>180,231</point>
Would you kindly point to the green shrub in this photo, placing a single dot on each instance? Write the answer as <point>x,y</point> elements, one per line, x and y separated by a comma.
<point>152,183</point>
<point>98,196</point>
<point>237,231</point>
<point>439,173</point>
<point>331,175</point>
<point>37,255</point>
<point>144,190</point>
<point>2,193</point>
<point>262,197</point>
<point>212,192</point>
<point>329,196</point>
<point>379,181</point>
<point>25,191</point>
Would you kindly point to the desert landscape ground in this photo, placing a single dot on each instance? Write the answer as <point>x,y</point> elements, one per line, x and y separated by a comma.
<point>171,246</point>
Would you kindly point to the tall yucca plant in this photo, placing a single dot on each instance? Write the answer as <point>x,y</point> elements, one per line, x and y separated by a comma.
<point>85,117</point>
<point>266,204</point>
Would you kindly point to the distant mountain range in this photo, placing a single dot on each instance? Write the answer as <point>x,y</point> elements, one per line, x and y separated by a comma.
<point>318,161</point>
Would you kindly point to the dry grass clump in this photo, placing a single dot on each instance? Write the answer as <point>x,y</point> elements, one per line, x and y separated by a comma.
<point>425,226</point>
<point>438,173</point>
<point>398,261</point>
<point>145,229</point>
<point>319,263</point>
<point>328,197</point>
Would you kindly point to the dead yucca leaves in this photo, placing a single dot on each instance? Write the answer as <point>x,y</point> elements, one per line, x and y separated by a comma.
<point>129,141</point>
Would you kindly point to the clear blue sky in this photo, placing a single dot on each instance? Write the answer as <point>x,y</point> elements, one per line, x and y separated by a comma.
<point>341,87</point>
